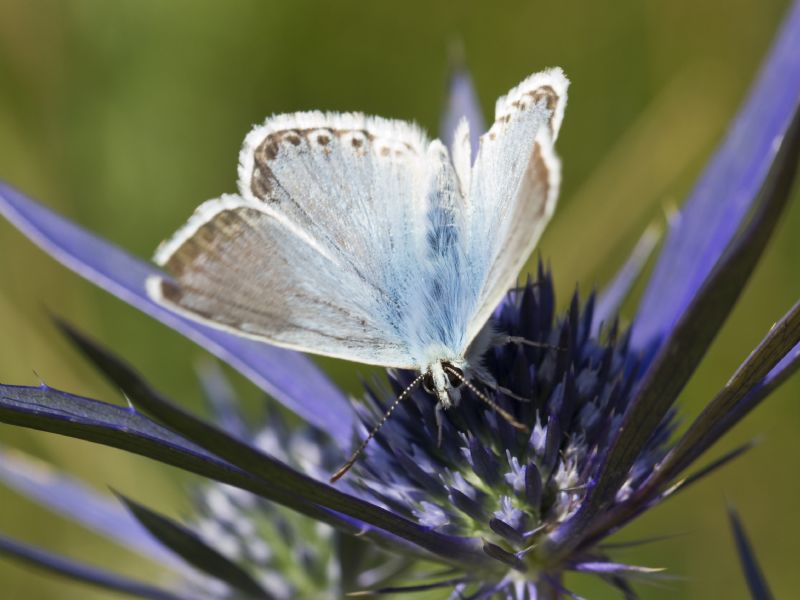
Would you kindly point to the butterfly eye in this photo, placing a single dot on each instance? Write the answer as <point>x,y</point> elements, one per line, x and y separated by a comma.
<point>427,383</point>
<point>454,375</point>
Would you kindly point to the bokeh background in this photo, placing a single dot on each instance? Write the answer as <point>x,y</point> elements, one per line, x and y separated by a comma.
<point>125,115</point>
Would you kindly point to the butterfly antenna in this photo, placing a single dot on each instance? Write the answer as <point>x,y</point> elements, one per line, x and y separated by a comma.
<point>346,466</point>
<point>489,402</point>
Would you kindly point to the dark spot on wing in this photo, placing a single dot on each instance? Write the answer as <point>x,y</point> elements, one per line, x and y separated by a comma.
<point>270,149</point>
<point>546,94</point>
<point>262,182</point>
<point>171,291</point>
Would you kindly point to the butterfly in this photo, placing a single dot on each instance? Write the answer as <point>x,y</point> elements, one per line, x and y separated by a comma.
<point>359,238</point>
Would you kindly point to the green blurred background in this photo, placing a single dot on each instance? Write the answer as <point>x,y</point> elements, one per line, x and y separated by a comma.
<point>125,115</point>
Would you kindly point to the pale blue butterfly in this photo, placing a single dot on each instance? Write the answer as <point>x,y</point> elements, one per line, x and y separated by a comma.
<point>356,237</point>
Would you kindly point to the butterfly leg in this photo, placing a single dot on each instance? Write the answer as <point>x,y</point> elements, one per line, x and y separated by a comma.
<point>516,339</point>
<point>455,396</point>
<point>486,379</point>
<point>439,415</point>
<point>504,390</point>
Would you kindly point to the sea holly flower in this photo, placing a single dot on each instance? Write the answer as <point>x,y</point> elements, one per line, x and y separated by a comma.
<point>505,513</point>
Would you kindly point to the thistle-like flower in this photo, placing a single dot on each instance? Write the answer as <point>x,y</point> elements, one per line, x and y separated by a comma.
<point>505,513</point>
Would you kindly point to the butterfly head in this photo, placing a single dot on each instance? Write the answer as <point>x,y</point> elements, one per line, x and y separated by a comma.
<point>441,379</point>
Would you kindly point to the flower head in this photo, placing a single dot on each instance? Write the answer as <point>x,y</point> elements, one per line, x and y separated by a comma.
<point>488,480</point>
